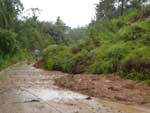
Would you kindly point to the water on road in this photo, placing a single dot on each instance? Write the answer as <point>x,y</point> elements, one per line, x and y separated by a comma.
<point>31,90</point>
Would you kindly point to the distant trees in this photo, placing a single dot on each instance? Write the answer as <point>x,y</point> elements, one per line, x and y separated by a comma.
<point>130,4</point>
<point>77,34</point>
<point>57,30</point>
<point>116,42</point>
<point>30,33</point>
<point>34,12</point>
<point>108,9</point>
<point>30,36</point>
<point>60,30</point>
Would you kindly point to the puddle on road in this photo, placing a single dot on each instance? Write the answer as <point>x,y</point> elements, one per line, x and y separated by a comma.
<point>54,94</point>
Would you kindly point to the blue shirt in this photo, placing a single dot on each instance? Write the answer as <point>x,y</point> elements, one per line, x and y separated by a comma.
<point>36,52</point>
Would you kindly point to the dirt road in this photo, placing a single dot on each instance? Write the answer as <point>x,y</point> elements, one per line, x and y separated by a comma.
<point>31,90</point>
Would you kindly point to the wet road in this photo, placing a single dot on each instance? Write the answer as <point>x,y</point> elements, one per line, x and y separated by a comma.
<point>30,90</point>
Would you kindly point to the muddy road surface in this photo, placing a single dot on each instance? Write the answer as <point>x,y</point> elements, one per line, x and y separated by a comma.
<point>31,90</point>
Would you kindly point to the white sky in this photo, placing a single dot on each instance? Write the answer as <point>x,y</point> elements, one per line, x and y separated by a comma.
<point>73,12</point>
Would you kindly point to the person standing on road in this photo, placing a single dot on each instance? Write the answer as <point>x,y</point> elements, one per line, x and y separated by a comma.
<point>36,53</point>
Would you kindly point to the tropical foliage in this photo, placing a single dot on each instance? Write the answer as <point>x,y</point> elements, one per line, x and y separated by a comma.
<point>116,41</point>
<point>115,45</point>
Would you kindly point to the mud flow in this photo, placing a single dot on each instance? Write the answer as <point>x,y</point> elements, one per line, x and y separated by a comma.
<point>31,90</point>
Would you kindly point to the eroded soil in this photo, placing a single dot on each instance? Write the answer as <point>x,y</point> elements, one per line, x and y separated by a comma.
<point>110,87</point>
<point>31,90</point>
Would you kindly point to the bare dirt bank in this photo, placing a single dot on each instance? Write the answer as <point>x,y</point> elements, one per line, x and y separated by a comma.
<point>109,87</point>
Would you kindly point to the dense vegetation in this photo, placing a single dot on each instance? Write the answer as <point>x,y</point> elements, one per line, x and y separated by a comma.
<point>113,43</point>
<point>19,37</point>
<point>117,41</point>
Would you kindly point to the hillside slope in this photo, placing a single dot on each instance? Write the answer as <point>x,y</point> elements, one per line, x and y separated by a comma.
<point>119,46</point>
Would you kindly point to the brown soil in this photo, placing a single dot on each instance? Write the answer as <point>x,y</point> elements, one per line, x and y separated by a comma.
<point>38,64</point>
<point>109,87</point>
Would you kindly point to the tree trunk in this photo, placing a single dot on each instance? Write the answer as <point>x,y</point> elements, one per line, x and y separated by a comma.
<point>122,7</point>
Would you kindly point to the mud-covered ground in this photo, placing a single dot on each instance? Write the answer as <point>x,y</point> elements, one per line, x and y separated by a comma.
<point>25,89</point>
<point>109,87</point>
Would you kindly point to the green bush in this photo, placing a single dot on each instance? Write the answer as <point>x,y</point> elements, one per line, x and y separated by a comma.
<point>137,64</point>
<point>119,46</point>
<point>145,11</point>
<point>131,16</point>
<point>8,42</point>
<point>131,33</point>
<point>138,30</point>
<point>81,61</point>
<point>127,19</point>
<point>146,39</point>
<point>101,67</point>
<point>20,55</point>
<point>57,57</point>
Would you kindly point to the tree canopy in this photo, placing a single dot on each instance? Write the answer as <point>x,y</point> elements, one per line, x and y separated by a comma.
<point>108,9</point>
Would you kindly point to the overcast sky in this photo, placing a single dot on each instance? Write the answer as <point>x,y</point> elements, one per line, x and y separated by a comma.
<point>73,12</point>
